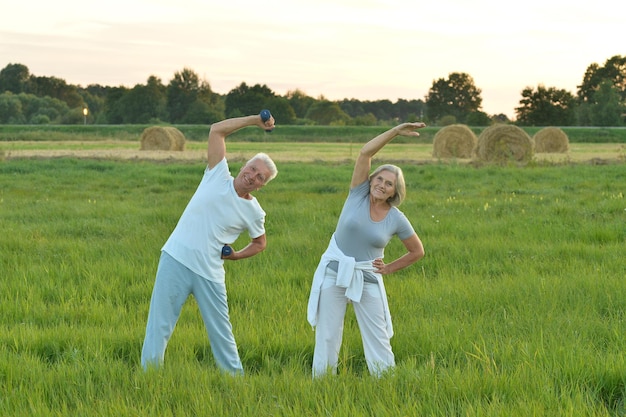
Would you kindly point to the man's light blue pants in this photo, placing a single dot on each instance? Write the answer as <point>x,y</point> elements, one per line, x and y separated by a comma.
<point>173,285</point>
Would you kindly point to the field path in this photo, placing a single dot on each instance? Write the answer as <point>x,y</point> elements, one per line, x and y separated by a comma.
<point>599,154</point>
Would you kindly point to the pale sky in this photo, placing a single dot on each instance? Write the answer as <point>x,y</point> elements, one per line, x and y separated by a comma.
<point>362,49</point>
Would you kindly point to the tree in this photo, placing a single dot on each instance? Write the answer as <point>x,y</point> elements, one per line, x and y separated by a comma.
<point>28,108</point>
<point>299,102</point>
<point>114,106</point>
<point>56,88</point>
<point>607,109</point>
<point>244,100</point>
<point>546,107</point>
<point>382,109</point>
<point>325,112</point>
<point>48,108</point>
<point>182,91</point>
<point>409,110</point>
<point>500,118</point>
<point>11,109</point>
<point>456,96</point>
<point>14,78</point>
<point>94,96</point>
<point>614,70</point>
<point>366,120</point>
<point>208,108</point>
<point>478,118</point>
<point>352,107</point>
<point>281,110</point>
<point>42,110</point>
<point>144,103</point>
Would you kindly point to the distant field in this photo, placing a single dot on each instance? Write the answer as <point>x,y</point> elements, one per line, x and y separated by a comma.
<point>347,134</point>
<point>595,153</point>
<point>286,143</point>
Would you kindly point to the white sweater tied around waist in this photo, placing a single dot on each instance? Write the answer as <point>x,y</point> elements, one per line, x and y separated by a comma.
<point>349,276</point>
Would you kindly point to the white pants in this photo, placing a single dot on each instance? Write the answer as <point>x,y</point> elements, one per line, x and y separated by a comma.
<point>329,330</point>
<point>173,285</point>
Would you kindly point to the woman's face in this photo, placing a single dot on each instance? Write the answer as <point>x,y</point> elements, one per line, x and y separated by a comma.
<point>383,185</point>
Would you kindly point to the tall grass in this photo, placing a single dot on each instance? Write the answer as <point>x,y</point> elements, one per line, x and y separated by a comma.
<point>518,308</point>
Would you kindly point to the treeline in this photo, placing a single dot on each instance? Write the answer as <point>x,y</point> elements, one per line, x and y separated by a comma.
<point>187,99</point>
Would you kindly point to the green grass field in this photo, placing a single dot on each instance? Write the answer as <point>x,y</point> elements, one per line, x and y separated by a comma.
<point>518,308</point>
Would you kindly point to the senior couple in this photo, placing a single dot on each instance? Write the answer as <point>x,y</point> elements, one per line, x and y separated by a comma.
<point>351,269</point>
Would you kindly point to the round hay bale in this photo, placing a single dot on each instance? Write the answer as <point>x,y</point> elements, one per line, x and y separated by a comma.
<point>551,140</point>
<point>178,138</point>
<point>454,141</point>
<point>504,143</point>
<point>162,138</point>
<point>155,138</point>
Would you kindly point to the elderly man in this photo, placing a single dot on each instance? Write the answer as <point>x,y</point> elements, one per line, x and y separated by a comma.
<point>192,259</point>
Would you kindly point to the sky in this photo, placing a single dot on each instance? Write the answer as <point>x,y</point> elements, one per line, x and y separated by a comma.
<point>338,49</point>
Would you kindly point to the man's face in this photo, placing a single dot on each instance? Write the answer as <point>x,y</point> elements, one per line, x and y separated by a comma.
<point>253,175</point>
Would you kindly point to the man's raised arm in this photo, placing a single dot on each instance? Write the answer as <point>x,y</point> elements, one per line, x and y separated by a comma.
<point>220,130</point>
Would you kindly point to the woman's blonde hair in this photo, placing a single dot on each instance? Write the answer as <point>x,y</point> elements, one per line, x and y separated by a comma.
<point>400,193</point>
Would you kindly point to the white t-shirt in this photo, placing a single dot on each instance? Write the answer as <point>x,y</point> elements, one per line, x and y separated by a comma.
<point>214,216</point>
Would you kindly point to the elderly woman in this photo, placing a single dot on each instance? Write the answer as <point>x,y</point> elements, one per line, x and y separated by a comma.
<point>351,269</point>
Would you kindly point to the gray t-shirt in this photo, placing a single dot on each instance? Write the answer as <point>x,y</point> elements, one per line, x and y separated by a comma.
<point>360,237</point>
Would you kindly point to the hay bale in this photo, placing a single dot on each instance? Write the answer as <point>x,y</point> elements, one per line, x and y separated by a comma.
<point>454,141</point>
<point>155,138</point>
<point>162,138</point>
<point>504,143</point>
<point>551,140</point>
<point>178,139</point>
